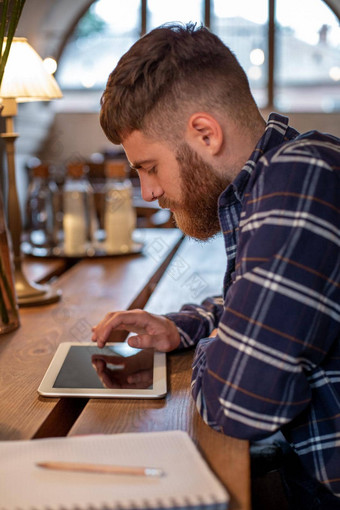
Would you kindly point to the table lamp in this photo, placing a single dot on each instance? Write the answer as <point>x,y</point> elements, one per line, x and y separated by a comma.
<point>25,79</point>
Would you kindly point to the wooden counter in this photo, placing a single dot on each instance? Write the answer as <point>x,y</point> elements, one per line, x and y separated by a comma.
<point>90,289</point>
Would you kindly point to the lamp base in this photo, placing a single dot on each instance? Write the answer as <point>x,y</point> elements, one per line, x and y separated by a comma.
<point>33,294</point>
<point>50,296</point>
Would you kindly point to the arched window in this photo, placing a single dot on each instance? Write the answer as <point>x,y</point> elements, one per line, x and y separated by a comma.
<point>101,37</point>
<point>307,56</point>
<point>158,12</point>
<point>290,50</point>
<point>243,27</point>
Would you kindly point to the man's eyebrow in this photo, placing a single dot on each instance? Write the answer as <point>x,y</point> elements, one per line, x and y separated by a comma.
<point>137,165</point>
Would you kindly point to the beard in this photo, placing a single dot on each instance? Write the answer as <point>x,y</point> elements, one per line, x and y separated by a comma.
<point>196,213</point>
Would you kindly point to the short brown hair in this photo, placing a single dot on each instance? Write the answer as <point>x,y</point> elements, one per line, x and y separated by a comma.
<point>168,74</point>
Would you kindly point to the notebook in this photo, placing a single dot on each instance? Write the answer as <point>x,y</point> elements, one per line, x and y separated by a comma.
<point>187,481</point>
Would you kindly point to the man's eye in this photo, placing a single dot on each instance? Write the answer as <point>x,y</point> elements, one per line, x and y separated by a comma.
<point>151,171</point>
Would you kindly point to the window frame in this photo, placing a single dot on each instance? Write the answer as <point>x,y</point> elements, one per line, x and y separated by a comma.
<point>271,39</point>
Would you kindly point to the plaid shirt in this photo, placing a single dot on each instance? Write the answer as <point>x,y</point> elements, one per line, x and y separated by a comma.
<point>275,362</point>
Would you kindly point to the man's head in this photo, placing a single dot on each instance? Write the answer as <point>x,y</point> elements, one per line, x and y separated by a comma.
<point>179,103</point>
<point>166,76</point>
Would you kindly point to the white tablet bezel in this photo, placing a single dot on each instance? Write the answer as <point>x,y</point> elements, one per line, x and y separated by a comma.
<point>46,388</point>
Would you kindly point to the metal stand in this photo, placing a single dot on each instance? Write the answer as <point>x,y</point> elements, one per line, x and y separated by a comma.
<point>28,293</point>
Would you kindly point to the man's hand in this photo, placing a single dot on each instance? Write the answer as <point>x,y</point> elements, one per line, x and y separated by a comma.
<point>151,330</point>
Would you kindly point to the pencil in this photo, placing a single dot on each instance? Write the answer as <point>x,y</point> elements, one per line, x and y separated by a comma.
<point>102,468</point>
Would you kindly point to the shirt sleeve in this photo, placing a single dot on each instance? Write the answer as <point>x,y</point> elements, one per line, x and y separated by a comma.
<point>281,315</point>
<point>197,321</point>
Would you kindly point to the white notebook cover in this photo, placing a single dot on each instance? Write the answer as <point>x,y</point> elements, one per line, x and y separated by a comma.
<point>188,481</point>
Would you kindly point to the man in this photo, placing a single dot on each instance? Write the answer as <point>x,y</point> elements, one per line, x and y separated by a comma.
<point>180,104</point>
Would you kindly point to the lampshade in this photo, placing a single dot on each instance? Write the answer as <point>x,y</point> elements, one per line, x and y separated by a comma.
<point>25,77</point>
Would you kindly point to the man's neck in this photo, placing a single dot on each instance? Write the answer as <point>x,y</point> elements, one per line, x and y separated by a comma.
<point>239,145</point>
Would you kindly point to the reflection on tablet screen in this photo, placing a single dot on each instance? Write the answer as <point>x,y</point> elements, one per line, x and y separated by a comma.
<point>118,366</point>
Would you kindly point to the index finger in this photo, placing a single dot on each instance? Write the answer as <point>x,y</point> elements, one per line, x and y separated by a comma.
<point>132,321</point>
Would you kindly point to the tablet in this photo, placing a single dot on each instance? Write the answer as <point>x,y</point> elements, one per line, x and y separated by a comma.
<point>117,370</point>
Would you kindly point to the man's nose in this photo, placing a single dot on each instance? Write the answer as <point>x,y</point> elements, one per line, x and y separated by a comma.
<point>150,190</point>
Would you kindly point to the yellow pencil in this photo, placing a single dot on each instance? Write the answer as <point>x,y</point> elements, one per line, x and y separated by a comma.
<point>102,468</point>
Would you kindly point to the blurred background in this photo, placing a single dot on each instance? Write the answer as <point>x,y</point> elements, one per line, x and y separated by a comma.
<point>290,50</point>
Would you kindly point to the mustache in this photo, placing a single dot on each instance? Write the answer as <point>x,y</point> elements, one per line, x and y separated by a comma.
<point>166,203</point>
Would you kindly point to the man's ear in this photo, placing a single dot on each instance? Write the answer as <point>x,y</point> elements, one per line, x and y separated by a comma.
<point>205,133</point>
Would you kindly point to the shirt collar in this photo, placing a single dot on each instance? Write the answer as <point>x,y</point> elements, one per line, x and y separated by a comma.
<point>276,132</point>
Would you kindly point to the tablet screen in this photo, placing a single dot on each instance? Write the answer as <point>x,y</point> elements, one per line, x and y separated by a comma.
<point>117,370</point>
<point>114,366</point>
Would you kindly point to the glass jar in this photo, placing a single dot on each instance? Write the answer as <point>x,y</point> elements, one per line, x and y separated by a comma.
<point>79,219</point>
<point>119,213</point>
<point>41,208</point>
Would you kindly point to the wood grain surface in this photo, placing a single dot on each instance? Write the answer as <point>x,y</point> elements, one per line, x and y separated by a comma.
<point>90,289</point>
